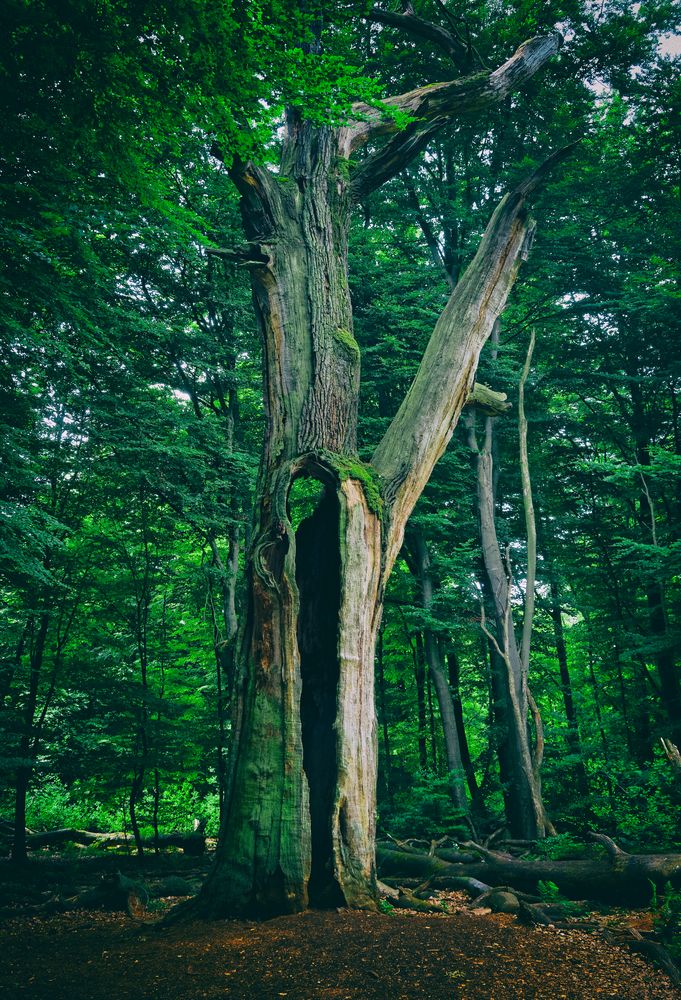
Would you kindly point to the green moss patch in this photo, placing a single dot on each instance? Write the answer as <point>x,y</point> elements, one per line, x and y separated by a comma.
<point>345,338</point>
<point>353,468</point>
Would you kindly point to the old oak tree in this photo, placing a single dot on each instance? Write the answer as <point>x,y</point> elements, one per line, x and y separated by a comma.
<point>299,823</point>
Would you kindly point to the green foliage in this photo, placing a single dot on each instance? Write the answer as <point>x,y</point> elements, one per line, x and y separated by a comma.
<point>303,497</point>
<point>424,810</point>
<point>562,846</point>
<point>552,896</point>
<point>647,811</point>
<point>385,906</point>
<point>549,891</point>
<point>667,918</point>
<point>52,806</point>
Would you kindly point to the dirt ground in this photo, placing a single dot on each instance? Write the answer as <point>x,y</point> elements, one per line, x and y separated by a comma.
<point>334,954</point>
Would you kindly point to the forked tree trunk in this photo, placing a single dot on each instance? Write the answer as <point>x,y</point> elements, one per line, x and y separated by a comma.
<point>300,799</point>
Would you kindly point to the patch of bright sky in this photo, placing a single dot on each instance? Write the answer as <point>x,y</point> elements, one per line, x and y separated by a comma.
<point>670,45</point>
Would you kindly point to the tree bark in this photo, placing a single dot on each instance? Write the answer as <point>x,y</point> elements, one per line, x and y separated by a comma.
<point>380,676</point>
<point>300,789</point>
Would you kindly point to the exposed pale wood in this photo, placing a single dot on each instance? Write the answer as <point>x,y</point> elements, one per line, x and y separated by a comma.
<point>528,508</point>
<point>424,423</point>
<point>522,794</point>
<point>672,754</point>
<point>487,401</point>
<point>353,817</point>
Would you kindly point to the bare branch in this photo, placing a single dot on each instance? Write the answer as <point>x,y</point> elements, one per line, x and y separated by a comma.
<point>538,755</point>
<point>453,46</point>
<point>431,107</point>
<point>489,402</point>
<point>248,255</point>
<point>615,853</point>
<point>672,754</point>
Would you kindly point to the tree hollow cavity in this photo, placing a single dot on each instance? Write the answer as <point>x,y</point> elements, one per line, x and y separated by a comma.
<point>318,578</point>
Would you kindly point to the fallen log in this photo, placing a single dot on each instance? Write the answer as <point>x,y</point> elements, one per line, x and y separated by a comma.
<point>618,877</point>
<point>410,901</point>
<point>474,887</point>
<point>191,843</point>
<point>114,892</point>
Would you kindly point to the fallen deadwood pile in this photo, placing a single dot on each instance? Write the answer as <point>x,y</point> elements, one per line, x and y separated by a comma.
<point>505,883</point>
<point>615,876</point>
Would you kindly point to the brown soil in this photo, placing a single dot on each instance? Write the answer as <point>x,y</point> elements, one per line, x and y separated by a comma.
<point>344,955</point>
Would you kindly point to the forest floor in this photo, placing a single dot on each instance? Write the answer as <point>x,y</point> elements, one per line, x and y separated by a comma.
<point>344,955</point>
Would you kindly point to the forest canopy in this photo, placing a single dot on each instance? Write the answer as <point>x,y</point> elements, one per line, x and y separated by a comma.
<point>133,410</point>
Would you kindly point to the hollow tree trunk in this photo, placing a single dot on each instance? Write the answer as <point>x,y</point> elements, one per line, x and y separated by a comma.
<point>300,800</point>
<point>300,794</point>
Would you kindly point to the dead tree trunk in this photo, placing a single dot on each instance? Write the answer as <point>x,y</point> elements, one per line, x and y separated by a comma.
<point>519,762</point>
<point>300,793</point>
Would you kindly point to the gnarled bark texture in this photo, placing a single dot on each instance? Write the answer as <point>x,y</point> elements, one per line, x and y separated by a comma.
<point>300,798</point>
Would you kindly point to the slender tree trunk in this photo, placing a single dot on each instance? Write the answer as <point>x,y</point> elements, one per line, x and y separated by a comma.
<point>25,768</point>
<point>573,738</point>
<point>420,678</point>
<point>438,674</point>
<point>136,788</point>
<point>225,628</point>
<point>664,656</point>
<point>154,814</point>
<point>522,791</point>
<point>454,686</point>
<point>434,754</point>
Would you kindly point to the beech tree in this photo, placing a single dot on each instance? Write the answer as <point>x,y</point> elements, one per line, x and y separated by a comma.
<point>300,798</point>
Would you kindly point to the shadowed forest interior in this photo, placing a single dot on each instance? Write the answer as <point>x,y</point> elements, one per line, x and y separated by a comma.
<point>340,437</point>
